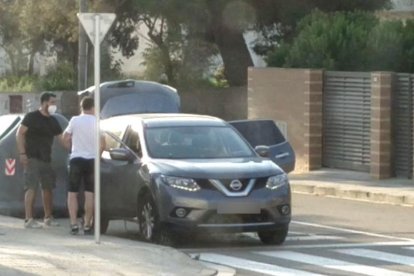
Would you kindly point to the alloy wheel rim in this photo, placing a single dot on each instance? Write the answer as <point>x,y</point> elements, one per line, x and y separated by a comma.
<point>148,221</point>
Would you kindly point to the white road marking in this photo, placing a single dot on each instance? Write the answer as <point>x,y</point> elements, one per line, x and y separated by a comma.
<point>378,255</point>
<point>314,238</point>
<point>332,263</point>
<point>310,246</point>
<point>346,230</point>
<point>259,267</point>
<point>297,233</point>
<point>299,236</point>
<point>348,245</point>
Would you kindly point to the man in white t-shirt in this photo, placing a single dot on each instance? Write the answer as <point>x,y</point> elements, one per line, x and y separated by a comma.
<point>79,136</point>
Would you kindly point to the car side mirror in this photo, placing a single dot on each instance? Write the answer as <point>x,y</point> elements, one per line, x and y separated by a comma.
<point>121,154</point>
<point>263,151</point>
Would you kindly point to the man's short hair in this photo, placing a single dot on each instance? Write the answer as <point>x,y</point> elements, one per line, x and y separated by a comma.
<point>45,96</point>
<point>87,103</point>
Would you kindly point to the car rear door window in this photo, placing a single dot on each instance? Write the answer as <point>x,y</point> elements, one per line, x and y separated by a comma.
<point>260,132</point>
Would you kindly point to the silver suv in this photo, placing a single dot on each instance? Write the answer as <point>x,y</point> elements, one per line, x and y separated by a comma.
<point>181,173</point>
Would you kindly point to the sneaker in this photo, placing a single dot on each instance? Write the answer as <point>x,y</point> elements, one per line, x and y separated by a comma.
<point>87,230</point>
<point>32,224</point>
<point>50,222</point>
<point>74,229</point>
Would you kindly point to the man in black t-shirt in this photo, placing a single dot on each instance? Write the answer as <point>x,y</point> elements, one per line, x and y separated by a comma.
<point>34,143</point>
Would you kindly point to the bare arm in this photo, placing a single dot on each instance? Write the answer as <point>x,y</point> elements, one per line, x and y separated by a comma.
<point>21,143</point>
<point>66,140</point>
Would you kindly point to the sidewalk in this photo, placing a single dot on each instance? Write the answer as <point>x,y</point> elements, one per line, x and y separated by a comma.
<point>354,185</point>
<point>52,251</point>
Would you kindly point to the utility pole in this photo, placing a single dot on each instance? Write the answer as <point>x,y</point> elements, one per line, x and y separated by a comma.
<point>82,51</point>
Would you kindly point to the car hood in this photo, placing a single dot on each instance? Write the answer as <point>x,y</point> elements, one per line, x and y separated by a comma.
<point>217,168</point>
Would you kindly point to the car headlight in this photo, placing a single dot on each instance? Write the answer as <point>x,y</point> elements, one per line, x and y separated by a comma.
<point>277,181</point>
<point>186,184</point>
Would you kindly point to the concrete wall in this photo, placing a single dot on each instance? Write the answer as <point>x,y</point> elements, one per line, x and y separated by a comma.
<point>226,103</point>
<point>67,102</point>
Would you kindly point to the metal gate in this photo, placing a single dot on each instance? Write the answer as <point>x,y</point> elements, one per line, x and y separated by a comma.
<point>347,120</point>
<point>402,125</point>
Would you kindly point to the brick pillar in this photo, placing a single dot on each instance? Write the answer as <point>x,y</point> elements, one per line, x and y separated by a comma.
<point>313,119</point>
<point>381,91</point>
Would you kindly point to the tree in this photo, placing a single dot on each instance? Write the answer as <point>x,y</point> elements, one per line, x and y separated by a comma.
<point>30,27</point>
<point>407,64</point>
<point>219,24</point>
<point>279,19</point>
<point>223,23</point>
<point>53,29</point>
<point>385,46</point>
<point>172,52</point>
<point>331,41</point>
<point>11,36</point>
<point>348,41</point>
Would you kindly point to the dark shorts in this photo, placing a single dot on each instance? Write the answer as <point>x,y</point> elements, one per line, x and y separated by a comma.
<point>81,170</point>
<point>38,171</point>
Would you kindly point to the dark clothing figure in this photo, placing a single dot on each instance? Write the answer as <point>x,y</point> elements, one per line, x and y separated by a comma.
<point>40,133</point>
<point>34,142</point>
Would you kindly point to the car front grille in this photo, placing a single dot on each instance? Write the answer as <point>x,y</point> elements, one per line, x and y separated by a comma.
<point>206,184</point>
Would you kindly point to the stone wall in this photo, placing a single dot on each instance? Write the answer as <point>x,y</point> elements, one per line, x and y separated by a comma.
<point>292,98</point>
<point>226,103</point>
<point>381,147</point>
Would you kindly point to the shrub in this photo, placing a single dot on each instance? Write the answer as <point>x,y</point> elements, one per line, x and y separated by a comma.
<point>59,77</point>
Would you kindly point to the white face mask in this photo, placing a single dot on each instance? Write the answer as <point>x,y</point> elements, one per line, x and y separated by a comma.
<point>51,109</point>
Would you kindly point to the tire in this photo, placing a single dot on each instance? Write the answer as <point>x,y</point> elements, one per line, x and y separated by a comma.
<point>148,219</point>
<point>274,237</point>
<point>149,225</point>
<point>104,224</point>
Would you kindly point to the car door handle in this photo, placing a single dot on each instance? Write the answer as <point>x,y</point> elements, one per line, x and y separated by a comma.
<point>282,155</point>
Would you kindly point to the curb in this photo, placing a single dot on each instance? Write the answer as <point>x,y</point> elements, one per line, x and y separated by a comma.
<point>220,269</point>
<point>377,195</point>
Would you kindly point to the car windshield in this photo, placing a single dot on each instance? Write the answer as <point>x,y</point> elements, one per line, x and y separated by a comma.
<point>196,142</point>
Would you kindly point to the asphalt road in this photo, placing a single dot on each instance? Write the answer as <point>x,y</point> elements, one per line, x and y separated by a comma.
<point>328,236</point>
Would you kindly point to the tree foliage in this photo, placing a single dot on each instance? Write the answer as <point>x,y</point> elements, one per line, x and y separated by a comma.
<point>220,24</point>
<point>11,36</point>
<point>43,26</point>
<point>348,41</point>
<point>336,40</point>
<point>186,33</point>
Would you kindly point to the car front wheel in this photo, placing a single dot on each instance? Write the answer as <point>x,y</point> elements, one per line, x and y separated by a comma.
<point>274,237</point>
<point>148,220</point>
